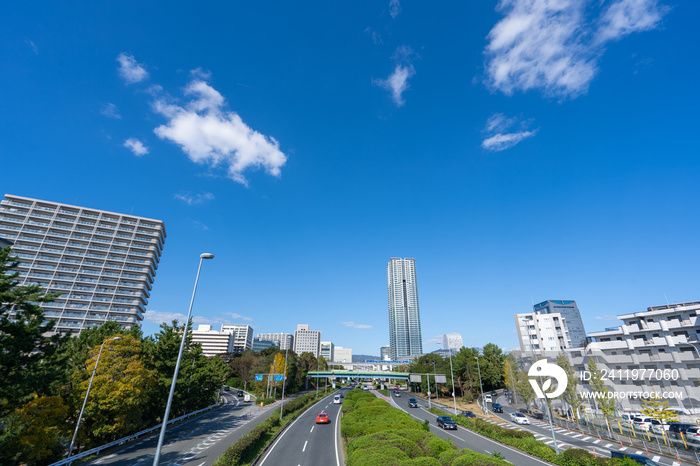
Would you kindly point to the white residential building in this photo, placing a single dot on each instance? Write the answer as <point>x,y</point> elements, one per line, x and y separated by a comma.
<point>452,342</point>
<point>212,341</point>
<point>103,263</point>
<point>242,336</point>
<point>343,354</point>
<point>404,313</point>
<point>307,341</point>
<point>570,313</point>
<point>284,340</point>
<point>327,350</point>
<point>542,332</point>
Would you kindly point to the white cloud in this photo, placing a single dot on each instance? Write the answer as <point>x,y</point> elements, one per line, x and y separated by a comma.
<point>394,8</point>
<point>498,139</point>
<point>437,340</point>
<point>551,45</point>
<point>210,135</point>
<point>627,16</point>
<point>606,318</point>
<point>111,111</point>
<point>164,316</point>
<point>376,37</point>
<point>190,199</point>
<point>131,71</point>
<point>32,45</point>
<point>352,324</point>
<point>397,82</point>
<point>136,146</point>
<point>499,142</point>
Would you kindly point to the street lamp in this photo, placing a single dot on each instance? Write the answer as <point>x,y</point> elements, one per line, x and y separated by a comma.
<point>437,397</point>
<point>80,416</point>
<point>483,406</point>
<point>156,459</point>
<point>284,381</point>
<point>452,374</point>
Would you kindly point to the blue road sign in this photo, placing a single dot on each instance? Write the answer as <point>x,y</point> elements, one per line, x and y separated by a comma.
<point>259,377</point>
<point>279,378</point>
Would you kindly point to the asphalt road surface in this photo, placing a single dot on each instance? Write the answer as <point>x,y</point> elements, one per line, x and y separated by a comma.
<point>463,438</point>
<point>196,442</point>
<point>305,443</point>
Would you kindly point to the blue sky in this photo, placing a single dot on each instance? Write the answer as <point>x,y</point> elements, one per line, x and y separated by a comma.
<point>519,150</point>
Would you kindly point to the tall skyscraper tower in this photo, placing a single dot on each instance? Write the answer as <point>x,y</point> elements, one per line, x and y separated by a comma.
<point>404,316</point>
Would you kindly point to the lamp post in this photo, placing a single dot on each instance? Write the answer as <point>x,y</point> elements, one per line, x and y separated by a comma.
<point>156,459</point>
<point>437,397</point>
<point>452,375</point>
<point>483,406</point>
<point>318,366</point>
<point>80,416</point>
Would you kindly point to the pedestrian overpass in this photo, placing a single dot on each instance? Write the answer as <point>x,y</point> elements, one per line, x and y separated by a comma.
<point>358,375</point>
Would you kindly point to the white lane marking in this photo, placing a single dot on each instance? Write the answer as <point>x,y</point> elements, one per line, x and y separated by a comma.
<point>656,458</point>
<point>551,441</point>
<point>304,449</point>
<point>623,448</point>
<point>287,430</point>
<point>200,464</point>
<point>312,429</point>
<point>337,436</point>
<point>597,441</point>
<point>638,452</point>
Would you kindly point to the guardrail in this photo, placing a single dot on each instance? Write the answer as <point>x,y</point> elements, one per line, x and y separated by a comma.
<point>130,437</point>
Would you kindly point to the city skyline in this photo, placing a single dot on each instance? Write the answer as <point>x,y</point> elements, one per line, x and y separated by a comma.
<point>281,143</point>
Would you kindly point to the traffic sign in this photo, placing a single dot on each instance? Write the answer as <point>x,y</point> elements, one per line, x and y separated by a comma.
<point>259,377</point>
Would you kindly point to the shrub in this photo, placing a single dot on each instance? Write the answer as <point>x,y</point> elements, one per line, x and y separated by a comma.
<point>377,456</point>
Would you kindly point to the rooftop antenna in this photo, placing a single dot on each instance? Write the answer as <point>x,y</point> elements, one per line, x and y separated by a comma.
<point>667,303</point>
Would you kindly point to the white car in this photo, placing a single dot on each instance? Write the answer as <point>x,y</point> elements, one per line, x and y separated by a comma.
<point>519,418</point>
<point>336,400</point>
<point>628,418</point>
<point>658,428</point>
<point>487,398</point>
<point>642,423</point>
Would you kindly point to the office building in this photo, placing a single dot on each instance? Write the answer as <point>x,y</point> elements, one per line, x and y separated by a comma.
<point>307,341</point>
<point>285,341</point>
<point>242,336</point>
<point>259,344</point>
<point>542,332</point>
<point>404,315</point>
<point>385,353</point>
<point>103,263</point>
<point>452,341</point>
<point>213,342</point>
<point>327,350</point>
<point>343,355</point>
<point>568,311</point>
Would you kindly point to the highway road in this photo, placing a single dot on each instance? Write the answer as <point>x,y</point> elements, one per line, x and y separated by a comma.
<point>196,442</point>
<point>305,443</point>
<point>572,439</point>
<point>463,438</point>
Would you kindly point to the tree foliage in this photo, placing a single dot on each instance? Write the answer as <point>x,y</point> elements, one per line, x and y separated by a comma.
<point>570,395</point>
<point>659,409</point>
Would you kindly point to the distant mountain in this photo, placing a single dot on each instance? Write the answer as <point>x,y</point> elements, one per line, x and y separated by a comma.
<point>364,357</point>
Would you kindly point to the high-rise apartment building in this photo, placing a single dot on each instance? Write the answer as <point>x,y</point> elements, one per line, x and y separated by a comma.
<point>404,315</point>
<point>569,311</point>
<point>542,332</point>
<point>452,342</point>
<point>327,350</point>
<point>285,340</point>
<point>242,336</point>
<point>307,341</point>
<point>103,263</point>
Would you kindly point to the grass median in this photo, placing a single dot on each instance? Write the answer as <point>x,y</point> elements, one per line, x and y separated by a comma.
<point>526,441</point>
<point>245,450</point>
<point>378,434</point>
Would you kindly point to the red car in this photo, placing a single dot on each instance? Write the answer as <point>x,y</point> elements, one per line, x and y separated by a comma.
<point>322,419</point>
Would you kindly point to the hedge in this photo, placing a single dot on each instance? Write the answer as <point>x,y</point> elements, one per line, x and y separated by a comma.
<point>381,435</point>
<point>526,442</point>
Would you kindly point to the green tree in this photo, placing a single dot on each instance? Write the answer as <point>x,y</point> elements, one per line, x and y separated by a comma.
<point>29,358</point>
<point>570,395</point>
<point>523,387</point>
<point>121,386</point>
<point>492,363</point>
<point>605,401</point>
<point>242,366</point>
<point>36,433</point>
<point>510,374</point>
<point>658,408</point>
